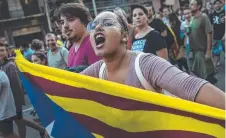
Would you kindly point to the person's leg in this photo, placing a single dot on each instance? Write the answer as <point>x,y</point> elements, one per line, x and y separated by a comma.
<point>6,128</point>
<point>210,70</point>
<point>185,65</point>
<point>218,47</point>
<point>180,64</point>
<point>21,124</point>
<point>198,65</point>
<point>216,60</point>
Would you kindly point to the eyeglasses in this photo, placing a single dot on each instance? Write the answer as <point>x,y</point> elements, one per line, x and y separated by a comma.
<point>106,23</point>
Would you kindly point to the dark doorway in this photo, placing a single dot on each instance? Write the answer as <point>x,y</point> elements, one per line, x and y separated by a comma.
<point>24,39</point>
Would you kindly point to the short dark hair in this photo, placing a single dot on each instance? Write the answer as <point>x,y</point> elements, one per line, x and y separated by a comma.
<point>165,7</point>
<point>153,9</point>
<point>75,10</point>
<point>199,2</point>
<point>186,7</point>
<point>37,44</point>
<point>134,6</point>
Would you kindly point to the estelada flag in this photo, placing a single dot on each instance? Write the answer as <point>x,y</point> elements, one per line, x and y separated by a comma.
<point>71,105</point>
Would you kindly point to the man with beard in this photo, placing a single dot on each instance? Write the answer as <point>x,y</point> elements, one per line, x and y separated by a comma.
<point>155,23</point>
<point>200,38</point>
<point>74,19</point>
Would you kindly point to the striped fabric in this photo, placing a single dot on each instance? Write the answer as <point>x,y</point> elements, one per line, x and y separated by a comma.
<point>110,110</point>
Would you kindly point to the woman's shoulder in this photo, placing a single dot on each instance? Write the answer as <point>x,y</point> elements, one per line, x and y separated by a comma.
<point>150,61</point>
<point>93,70</point>
<point>153,32</point>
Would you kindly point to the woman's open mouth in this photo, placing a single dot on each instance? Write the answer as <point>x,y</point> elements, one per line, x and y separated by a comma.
<point>99,39</point>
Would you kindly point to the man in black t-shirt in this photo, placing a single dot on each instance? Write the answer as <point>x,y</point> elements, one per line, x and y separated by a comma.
<point>162,28</point>
<point>155,23</point>
<point>159,26</point>
<point>218,22</point>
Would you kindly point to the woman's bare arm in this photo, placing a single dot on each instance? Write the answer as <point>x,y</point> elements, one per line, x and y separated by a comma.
<point>211,95</point>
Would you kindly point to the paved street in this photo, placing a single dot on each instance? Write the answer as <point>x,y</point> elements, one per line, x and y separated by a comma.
<point>221,84</point>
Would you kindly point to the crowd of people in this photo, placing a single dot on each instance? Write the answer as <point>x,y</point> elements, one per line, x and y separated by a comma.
<point>166,52</point>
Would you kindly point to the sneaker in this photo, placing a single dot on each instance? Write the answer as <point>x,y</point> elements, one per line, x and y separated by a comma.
<point>218,63</point>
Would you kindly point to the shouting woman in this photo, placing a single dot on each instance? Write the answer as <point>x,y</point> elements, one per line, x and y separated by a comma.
<point>109,35</point>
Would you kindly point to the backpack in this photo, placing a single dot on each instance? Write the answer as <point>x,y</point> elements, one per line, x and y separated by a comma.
<point>139,74</point>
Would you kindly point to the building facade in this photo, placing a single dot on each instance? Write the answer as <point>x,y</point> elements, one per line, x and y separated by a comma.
<point>22,20</point>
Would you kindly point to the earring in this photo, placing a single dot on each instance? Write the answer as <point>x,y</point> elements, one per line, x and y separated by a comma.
<point>125,39</point>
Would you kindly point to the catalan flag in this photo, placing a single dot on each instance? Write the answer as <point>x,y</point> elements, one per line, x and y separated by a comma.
<point>71,105</point>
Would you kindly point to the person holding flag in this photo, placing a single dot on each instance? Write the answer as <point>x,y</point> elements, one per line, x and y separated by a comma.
<point>109,36</point>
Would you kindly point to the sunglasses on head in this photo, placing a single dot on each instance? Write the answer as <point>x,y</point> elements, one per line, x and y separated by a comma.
<point>108,23</point>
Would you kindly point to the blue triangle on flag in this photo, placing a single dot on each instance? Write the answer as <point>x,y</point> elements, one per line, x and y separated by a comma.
<point>52,116</point>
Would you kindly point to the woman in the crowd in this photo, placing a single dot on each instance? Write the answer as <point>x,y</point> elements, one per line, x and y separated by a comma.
<point>175,24</point>
<point>147,39</point>
<point>109,35</point>
<point>39,58</point>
